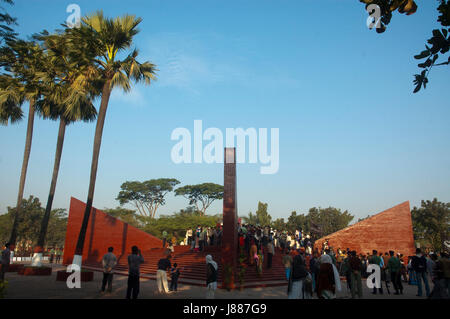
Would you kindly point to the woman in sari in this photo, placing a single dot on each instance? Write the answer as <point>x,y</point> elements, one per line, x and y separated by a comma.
<point>328,281</point>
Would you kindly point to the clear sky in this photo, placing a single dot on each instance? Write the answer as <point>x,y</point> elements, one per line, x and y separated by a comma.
<point>352,133</point>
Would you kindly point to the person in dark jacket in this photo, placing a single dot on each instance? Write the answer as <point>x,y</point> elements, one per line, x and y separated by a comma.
<point>394,267</point>
<point>134,262</point>
<point>356,268</point>
<point>297,279</point>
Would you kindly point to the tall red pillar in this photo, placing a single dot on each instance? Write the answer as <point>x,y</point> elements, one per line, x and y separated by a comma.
<point>230,236</point>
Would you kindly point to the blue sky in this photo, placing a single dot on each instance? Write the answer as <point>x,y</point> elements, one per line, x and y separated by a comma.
<point>352,133</point>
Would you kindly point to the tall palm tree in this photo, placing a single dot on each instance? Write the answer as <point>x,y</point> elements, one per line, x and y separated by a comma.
<point>23,60</point>
<point>61,70</point>
<point>105,38</point>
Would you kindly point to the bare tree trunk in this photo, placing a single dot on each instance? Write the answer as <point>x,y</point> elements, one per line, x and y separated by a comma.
<point>59,148</point>
<point>23,174</point>
<point>106,93</point>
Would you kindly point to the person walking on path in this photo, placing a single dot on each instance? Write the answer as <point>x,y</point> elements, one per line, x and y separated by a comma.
<point>134,262</point>
<point>109,261</point>
<point>356,268</point>
<point>5,261</point>
<point>161,274</point>
<point>211,277</point>
<point>419,264</point>
<point>394,267</point>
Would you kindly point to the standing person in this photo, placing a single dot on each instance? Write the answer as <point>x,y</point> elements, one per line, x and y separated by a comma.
<point>394,268</point>
<point>356,268</point>
<point>419,264</point>
<point>164,238</point>
<point>347,271</point>
<point>376,260</point>
<point>253,251</point>
<point>174,275</point>
<point>298,275</point>
<point>431,264</point>
<point>52,255</point>
<point>194,238</point>
<point>161,274</point>
<point>5,261</point>
<point>109,261</point>
<point>287,262</point>
<point>328,281</point>
<point>314,267</point>
<point>189,237</point>
<point>58,255</point>
<point>211,277</point>
<point>134,262</point>
<point>270,253</point>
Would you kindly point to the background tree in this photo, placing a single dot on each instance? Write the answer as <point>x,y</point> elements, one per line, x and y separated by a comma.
<point>205,194</point>
<point>440,41</point>
<point>61,68</point>
<point>440,44</point>
<point>329,220</point>
<point>6,23</point>
<point>29,225</point>
<point>146,196</point>
<point>279,224</point>
<point>24,60</point>
<point>104,38</point>
<point>180,222</point>
<point>260,218</point>
<point>297,222</point>
<point>431,223</point>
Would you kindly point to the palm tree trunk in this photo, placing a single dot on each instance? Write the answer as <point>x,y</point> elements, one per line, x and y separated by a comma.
<point>23,174</point>
<point>96,151</point>
<point>59,148</point>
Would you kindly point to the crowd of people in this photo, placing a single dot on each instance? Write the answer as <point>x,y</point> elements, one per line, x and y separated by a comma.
<point>309,272</point>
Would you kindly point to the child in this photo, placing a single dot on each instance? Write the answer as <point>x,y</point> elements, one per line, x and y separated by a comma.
<point>174,274</point>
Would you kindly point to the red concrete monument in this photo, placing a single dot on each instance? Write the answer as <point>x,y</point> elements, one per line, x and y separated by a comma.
<point>388,230</point>
<point>230,218</point>
<point>103,231</point>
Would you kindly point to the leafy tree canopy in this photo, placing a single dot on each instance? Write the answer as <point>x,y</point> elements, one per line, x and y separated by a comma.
<point>260,218</point>
<point>6,21</point>
<point>146,196</point>
<point>180,222</point>
<point>431,223</point>
<point>30,224</point>
<point>205,194</point>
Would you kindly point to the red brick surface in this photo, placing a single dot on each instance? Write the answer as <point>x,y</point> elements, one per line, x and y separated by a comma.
<point>103,231</point>
<point>388,230</point>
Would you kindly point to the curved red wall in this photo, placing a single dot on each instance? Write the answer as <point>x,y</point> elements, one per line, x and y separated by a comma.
<point>103,231</point>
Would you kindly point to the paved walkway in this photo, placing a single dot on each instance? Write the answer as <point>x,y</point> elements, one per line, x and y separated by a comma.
<point>47,287</point>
